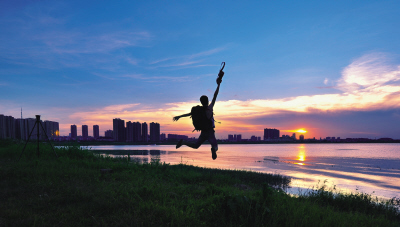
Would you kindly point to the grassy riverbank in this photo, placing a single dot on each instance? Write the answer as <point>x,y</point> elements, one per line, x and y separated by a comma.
<point>71,190</point>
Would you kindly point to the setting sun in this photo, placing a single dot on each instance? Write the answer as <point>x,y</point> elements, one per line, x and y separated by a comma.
<point>301,130</point>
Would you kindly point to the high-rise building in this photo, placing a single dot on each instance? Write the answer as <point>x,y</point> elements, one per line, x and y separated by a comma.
<point>52,129</point>
<point>56,127</point>
<point>154,132</point>
<point>109,134</point>
<point>48,127</point>
<point>270,133</point>
<point>10,127</point>
<point>294,136</point>
<point>144,132</point>
<point>96,131</point>
<point>301,137</point>
<point>7,127</point>
<point>21,129</point>
<point>230,137</point>
<point>30,124</point>
<point>137,131</point>
<point>85,131</point>
<point>239,137</point>
<point>2,127</point>
<point>119,130</point>
<point>74,132</point>
<point>129,131</point>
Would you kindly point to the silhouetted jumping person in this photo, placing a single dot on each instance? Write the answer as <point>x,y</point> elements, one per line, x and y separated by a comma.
<point>203,120</point>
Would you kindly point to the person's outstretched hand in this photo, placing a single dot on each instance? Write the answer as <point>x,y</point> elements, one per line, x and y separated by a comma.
<point>175,118</point>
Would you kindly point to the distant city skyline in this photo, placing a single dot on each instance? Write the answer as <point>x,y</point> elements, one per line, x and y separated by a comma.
<point>138,127</point>
<point>19,128</point>
<point>329,67</point>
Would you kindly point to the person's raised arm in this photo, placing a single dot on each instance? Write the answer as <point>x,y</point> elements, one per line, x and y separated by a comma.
<point>183,115</point>
<point>219,80</point>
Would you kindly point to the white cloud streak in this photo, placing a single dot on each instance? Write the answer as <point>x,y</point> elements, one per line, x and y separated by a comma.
<point>187,60</point>
<point>159,78</point>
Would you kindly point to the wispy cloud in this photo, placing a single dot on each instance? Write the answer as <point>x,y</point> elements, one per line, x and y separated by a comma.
<point>207,52</point>
<point>132,61</point>
<point>161,60</point>
<point>35,37</point>
<point>161,78</point>
<point>147,78</point>
<point>185,63</point>
<point>83,43</point>
<point>368,72</point>
<point>134,76</point>
<point>190,60</point>
<point>104,76</point>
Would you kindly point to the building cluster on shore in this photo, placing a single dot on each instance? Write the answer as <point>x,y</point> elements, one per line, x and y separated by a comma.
<point>19,128</point>
<point>126,132</point>
<point>273,135</point>
<point>135,131</point>
<point>121,132</point>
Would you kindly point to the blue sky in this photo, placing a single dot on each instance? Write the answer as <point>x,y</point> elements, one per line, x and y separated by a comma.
<point>310,63</point>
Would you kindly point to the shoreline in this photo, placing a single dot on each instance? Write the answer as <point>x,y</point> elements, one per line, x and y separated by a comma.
<point>94,143</point>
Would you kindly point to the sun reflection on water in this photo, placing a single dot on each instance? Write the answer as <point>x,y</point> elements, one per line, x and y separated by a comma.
<point>301,154</point>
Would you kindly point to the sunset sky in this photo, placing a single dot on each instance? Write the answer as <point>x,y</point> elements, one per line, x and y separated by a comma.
<point>329,67</point>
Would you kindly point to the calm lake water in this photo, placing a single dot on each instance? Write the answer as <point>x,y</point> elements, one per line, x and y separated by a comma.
<point>368,168</point>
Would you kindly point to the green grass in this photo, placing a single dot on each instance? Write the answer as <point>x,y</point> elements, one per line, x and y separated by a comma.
<point>70,190</point>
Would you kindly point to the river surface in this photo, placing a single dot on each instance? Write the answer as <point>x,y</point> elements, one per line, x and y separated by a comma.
<point>366,168</point>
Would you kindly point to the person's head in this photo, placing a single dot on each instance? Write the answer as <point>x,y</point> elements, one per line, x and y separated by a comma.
<point>204,100</point>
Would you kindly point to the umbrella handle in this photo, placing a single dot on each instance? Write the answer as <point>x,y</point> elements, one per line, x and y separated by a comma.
<point>222,66</point>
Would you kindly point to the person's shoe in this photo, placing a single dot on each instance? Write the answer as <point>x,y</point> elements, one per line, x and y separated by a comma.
<point>179,144</point>
<point>214,153</point>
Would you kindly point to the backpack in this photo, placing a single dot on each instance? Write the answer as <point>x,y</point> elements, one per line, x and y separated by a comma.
<point>199,119</point>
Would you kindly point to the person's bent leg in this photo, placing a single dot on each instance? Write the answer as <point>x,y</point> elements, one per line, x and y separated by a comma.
<point>197,144</point>
<point>189,144</point>
<point>192,145</point>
